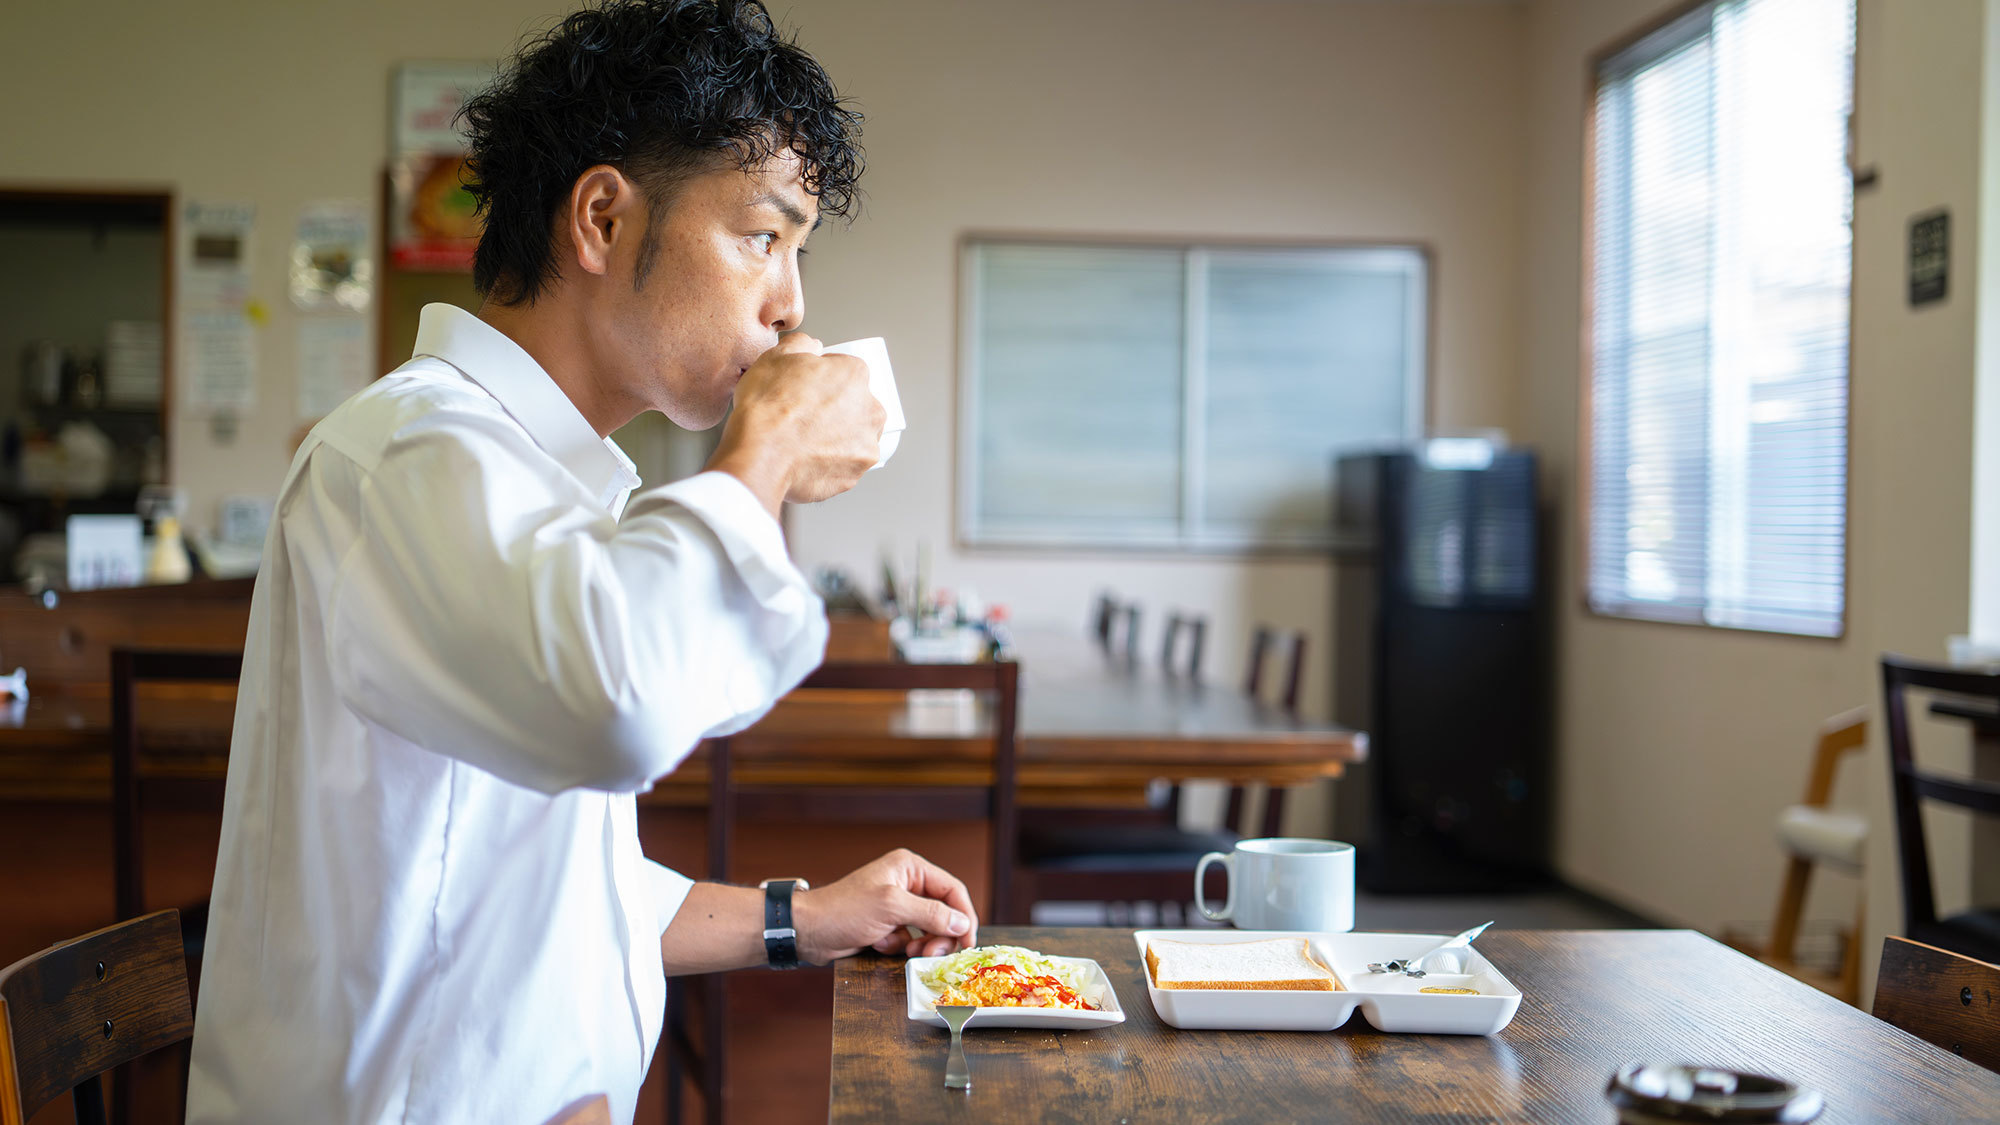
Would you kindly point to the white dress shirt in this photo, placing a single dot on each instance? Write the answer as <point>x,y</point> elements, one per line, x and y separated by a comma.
<point>466,654</point>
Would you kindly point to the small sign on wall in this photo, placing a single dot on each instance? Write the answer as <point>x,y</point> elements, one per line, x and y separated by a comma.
<point>1930,256</point>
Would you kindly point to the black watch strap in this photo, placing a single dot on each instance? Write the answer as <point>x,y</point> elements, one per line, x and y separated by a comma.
<point>781,941</point>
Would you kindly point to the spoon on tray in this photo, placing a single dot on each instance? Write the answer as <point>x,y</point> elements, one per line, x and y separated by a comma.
<point>1413,966</point>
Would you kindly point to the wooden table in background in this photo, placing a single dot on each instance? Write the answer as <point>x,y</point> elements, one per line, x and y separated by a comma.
<point>1593,1001</point>
<point>1093,730</point>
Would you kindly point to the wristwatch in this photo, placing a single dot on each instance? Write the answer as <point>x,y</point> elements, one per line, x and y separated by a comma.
<point>781,940</point>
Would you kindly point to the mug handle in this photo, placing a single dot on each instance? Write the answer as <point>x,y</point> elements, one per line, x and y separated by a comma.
<point>1229,900</point>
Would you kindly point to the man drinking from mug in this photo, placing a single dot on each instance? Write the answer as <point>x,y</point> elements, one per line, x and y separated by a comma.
<point>471,644</point>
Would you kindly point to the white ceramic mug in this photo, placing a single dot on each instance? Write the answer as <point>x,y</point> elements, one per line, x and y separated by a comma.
<point>874,351</point>
<point>1284,884</point>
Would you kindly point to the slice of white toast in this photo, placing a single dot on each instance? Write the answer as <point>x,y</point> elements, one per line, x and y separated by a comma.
<point>1279,964</point>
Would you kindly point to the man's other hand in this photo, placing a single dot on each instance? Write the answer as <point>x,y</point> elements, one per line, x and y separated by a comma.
<point>805,425</point>
<point>871,907</point>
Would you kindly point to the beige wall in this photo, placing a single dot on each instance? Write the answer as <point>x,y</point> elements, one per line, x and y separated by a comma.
<point>1263,120</point>
<point>1679,745</point>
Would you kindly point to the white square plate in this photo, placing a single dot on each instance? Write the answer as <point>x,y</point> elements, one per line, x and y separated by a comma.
<point>1096,989</point>
<point>1390,1002</point>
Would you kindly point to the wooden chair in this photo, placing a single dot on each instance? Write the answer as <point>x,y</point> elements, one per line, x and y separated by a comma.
<point>1975,933</point>
<point>729,801</point>
<point>131,667</point>
<point>78,1009</point>
<point>593,1110</point>
<point>1941,997</point>
<point>1811,833</point>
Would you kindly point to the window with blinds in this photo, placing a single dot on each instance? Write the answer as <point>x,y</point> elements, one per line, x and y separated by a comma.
<point>1180,397</point>
<point>1719,299</point>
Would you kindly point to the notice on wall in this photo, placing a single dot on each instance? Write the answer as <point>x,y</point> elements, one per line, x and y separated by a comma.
<point>1930,257</point>
<point>434,222</point>
<point>333,362</point>
<point>331,266</point>
<point>218,345</point>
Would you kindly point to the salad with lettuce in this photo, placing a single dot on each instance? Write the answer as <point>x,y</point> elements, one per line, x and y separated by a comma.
<point>956,972</point>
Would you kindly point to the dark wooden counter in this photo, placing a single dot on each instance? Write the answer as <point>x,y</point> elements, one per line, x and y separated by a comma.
<point>1594,1001</point>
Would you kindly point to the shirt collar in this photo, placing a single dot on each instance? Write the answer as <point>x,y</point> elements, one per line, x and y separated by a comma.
<point>483,354</point>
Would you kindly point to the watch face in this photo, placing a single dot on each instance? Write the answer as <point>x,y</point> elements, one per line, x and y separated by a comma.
<point>797,884</point>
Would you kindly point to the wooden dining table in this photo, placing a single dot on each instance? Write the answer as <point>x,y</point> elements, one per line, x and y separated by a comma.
<point>1593,1001</point>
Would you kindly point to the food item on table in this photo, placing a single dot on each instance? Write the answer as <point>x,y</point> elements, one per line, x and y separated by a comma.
<point>1007,976</point>
<point>1451,991</point>
<point>1279,964</point>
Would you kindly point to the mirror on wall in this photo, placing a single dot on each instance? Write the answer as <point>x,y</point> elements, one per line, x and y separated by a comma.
<point>85,299</point>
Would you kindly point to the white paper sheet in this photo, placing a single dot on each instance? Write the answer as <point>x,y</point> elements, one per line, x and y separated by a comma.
<point>333,362</point>
<point>219,356</point>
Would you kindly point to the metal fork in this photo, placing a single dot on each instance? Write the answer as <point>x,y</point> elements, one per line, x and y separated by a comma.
<point>957,1075</point>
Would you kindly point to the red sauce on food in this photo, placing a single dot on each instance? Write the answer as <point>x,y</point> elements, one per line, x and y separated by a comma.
<point>1022,984</point>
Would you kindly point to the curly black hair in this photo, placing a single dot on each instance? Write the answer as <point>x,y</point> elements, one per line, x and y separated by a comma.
<point>660,89</point>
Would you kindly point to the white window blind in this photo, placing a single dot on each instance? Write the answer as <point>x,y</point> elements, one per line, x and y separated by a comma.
<point>1721,262</point>
<point>1179,396</point>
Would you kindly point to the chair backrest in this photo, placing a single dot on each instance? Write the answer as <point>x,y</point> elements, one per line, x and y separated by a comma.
<point>1197,630</point>
<point>78,1009</point>
<point>1128,640</point>
<point>1262,638</point>
<point>593,1110</point>
<point>1103,613</point>
<point>995,801</point>
<point>1941,997</point>
<point>1116,627</point>
<point>129,668</point>
<point>1838,737</point>
<point>1909,786</point>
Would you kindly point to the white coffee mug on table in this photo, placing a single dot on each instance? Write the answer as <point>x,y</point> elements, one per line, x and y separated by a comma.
<point>1284,883</point>
<point>874,351</point>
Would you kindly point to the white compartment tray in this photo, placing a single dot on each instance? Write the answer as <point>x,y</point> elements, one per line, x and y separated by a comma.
<point>1390,1002</point>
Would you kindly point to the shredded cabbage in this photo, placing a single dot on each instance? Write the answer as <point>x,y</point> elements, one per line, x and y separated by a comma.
<point>956,969</point>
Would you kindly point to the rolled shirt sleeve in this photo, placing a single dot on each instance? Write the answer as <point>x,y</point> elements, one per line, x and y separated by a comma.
<point>792,624</point>
<point>670,889</point>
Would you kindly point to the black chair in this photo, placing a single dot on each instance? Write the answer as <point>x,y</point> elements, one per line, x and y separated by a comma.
<point>1115,624</point>
<point>1975,933</point>
<point>1197,631</point>
<point>729,801</point>
<point>1114,856</point>
<point>1262,640</point>
<point>1104,613</point>
<point>131,667</point>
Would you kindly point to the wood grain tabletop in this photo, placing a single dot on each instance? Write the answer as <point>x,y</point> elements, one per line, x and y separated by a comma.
<point>1593,1001</point>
